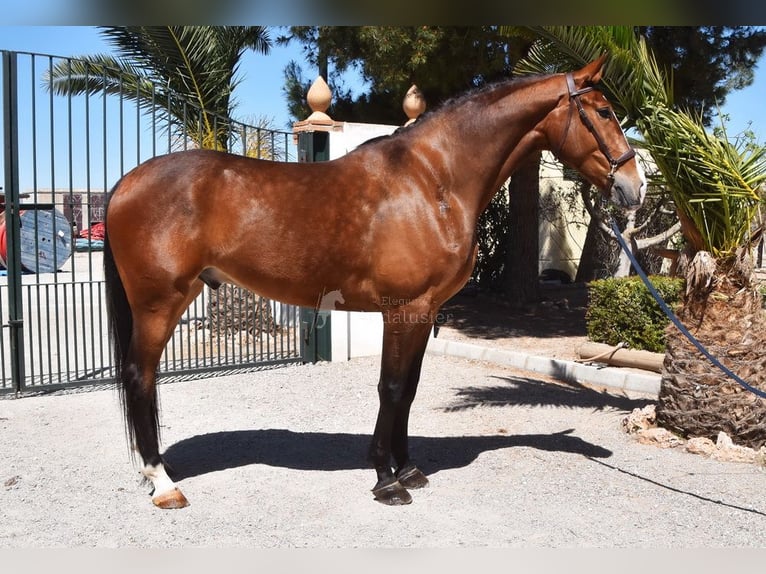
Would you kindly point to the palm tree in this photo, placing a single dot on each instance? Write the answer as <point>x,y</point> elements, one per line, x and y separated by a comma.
<point>716,186</point>
<point>186,72</point>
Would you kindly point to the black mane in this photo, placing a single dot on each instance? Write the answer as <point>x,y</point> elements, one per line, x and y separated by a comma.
<point>509,84</point>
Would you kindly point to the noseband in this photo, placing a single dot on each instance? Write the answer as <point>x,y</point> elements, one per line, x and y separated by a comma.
<point>574,96</point>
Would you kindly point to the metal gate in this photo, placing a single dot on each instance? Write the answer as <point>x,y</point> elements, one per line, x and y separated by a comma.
<point>61,155</point>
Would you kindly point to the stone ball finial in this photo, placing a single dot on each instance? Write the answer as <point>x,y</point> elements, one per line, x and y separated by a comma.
<point>318,98</point>
<point>414,104</point>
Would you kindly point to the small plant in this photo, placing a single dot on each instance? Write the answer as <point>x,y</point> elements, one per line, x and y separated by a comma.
<point>623,310</point>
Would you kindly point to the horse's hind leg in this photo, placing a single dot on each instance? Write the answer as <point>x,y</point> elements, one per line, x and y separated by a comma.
<point>405,336</point>
<point>152,328</point>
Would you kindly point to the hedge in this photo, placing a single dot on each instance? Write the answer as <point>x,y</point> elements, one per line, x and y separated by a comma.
<point>623,310</point>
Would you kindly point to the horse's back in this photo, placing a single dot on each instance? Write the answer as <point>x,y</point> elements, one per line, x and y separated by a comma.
<point>168,178</point>
<point>194,190</point>
<point>258,223</point>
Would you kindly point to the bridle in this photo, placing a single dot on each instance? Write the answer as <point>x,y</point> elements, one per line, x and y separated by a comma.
<point>574,96</point>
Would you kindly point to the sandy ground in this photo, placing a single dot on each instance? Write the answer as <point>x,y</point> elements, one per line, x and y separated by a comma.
<point>276,459</point>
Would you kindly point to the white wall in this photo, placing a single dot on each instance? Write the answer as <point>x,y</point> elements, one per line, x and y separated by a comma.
<point>355,334</point>
<point>352,135</point>
<point>563,227</point>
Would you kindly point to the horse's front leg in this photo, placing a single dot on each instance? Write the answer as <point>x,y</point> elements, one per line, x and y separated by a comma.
<point>405,336</point>
<point>407,472</point>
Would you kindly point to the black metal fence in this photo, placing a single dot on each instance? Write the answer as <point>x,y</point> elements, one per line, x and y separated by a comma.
<point>62,155</point>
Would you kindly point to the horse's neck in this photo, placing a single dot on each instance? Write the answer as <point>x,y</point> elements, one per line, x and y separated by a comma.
<point>486,143</point>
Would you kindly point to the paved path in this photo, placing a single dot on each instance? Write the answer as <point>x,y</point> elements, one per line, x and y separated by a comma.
<point>615,378</point>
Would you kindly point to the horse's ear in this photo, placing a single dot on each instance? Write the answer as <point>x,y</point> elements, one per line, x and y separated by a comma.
<point>591,73</point>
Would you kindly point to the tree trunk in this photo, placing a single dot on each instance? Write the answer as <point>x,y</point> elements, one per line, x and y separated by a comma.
<point>521,284</point>
<point>593,259</point>
<point>725,313</point>
<point>232,309</point>
<point>623,261</point>
<point>591,265</point>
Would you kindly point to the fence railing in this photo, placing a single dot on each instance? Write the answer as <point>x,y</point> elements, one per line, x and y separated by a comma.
<point>62,155</point>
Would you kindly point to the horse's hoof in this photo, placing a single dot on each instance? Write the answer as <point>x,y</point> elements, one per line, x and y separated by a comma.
<point>411,478</point>
<point>170,499</point>
<point>392,494</point>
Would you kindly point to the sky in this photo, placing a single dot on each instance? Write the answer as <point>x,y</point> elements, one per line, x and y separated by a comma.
<point>258,95</point>
<point>260,91</point>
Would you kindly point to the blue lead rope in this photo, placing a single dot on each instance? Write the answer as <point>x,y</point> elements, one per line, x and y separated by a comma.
<point>676,322</point>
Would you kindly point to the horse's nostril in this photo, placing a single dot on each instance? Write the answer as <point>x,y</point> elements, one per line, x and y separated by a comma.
<point>618,194</point>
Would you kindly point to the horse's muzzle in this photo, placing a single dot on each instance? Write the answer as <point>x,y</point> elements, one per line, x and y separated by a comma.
<point>628,193</point>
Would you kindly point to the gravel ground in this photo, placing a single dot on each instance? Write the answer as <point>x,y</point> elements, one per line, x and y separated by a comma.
<point>276,458</point>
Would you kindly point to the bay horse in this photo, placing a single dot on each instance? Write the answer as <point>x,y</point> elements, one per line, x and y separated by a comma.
<point>391,227</point>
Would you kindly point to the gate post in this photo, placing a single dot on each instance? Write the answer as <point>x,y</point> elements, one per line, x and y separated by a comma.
<point>12,222</point>
<point>313,138</point>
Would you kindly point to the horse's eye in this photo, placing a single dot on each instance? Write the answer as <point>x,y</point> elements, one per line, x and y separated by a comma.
<point>605,113</point>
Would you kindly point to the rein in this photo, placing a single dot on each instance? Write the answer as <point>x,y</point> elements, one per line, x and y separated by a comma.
<point>672,316</point>
<point>574,96</point>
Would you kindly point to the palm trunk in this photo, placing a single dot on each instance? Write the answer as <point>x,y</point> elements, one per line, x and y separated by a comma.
<point>521,269</point>
<point>724,311</point>
<point>232,309</point>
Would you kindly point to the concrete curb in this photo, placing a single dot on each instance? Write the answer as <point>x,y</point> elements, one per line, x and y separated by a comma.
<point>570,371</point>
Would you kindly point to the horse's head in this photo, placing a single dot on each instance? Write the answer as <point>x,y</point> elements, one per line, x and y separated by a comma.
<point>584,133</point>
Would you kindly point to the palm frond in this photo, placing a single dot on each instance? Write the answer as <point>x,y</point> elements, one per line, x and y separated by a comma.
<point>564,48</point>
<point>187,71</point>
<point>94,74</point>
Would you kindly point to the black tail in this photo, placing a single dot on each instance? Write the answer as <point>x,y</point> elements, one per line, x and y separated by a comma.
<point>118,309</point>
<point>135,404</point>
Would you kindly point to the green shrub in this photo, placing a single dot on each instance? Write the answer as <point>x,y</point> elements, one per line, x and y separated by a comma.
<point>623,310</point>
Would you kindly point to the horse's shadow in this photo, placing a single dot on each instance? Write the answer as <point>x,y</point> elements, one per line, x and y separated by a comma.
<point>211,452</point>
